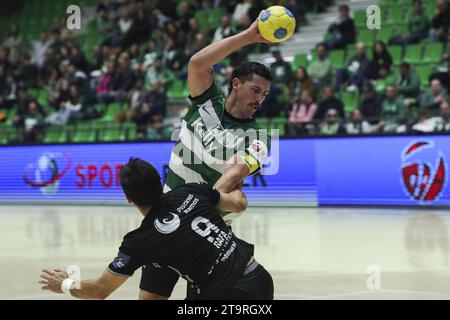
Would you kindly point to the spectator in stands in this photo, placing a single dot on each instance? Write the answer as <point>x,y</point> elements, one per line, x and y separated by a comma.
<point>440,23</point>
<point>418,26</point>
<point>301,81</point>
<point>393,110</point>
<point>224,77</point>
<point>444,75</point>
<point>224,30</point>
<point>29,73</point>
<point>273,104</point>
<point>320,69</point>
<point>157,130</point>
<point>174,58</point>
<point>358,125</point>
<point>443,122</point>
<point>256,7</point>
<point>381,63</point>
<point>281,70</point>
<point>141,28</point>
<point>299,10</point>
<point>194,29</point>
<point>343,31</point>
<point>57,42</point>
<point>122,80</point>
<point>329,102</point>
<point>13,40</point>
<point>332,124</point>
<point>17,65</point>
<point>119,37</point>
<point>240,10</point>
<point>302,112</point>
<point>155,100</point>
<point>23,100</point>
<point>78,59</point>
<point>432,99</point>
<point>134,57</point>
<point>151,53</point>
<point>200,42</point>
<point>371,104</point>
<point>70,108</point>
<point>408,82</point>
<point>153,104</point>
<point>65,33</point>
<point>33,123</point>
<point>59,93</point>
<point>425,122</point>
<point>103,83</point>
<point>178,35</point>
<point>107,6</point>
<point>185,13</point>
<point>355,71</point>
<point>39,47</point>
<point>8,90</point>
<point>138,94</point>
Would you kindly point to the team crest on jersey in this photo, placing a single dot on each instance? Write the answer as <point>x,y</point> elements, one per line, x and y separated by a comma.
<point>168,224</point>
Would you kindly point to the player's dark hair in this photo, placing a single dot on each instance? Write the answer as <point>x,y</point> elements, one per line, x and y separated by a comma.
<point>141,182</point>
<point>344,7</point>
<point>246,70</point>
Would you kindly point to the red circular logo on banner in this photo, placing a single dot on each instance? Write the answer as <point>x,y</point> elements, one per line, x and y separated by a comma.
<point>423,181</point>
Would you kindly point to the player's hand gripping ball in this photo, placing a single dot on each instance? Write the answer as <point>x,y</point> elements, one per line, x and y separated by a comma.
<point>276,24</point>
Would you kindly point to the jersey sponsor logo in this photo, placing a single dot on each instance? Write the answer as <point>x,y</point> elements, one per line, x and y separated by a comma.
<point>168,224</point>
<point>121,260</point>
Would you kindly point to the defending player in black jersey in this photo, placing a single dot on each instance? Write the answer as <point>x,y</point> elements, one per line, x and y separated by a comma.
<point>181,230</point>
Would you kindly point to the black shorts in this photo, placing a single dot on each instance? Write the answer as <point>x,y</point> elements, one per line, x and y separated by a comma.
<point>158,280</point>
<point>255,284</point>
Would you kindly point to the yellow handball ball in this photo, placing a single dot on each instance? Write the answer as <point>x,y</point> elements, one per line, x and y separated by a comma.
<point>276,24</point>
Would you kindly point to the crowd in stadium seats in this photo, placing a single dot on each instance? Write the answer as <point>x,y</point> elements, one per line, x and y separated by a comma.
<point>115,79</point>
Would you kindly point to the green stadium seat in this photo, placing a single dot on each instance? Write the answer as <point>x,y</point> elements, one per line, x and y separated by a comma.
<point>366,36</point>
<point>337,58</point>
<point>52,135</point>
<point>130,131</point>
<point>396,15</point>
<point>112,133</point>
<point>84,132</point>
<point>423,72</point>
<point>312,56</point>
<point>413,54</point>
<point>202,17</point>
<point>279,123</point>
<point>385,33</point>
<point>214,17</point>
<point>300,60</point>
<point>14,135</point>
<point>350,101</point>
<point>111,110</point>
<point>177,90</point>
<point>387,3</point>
<point>433,53</point>
<point>359,17</point>
<point>262,122</point>
<point>396,53</point>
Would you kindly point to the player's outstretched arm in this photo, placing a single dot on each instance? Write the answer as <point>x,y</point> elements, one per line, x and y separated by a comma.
<point>235,171</point>
<point>235,201</point>
<point>99,288</point>
<point>200,76</point>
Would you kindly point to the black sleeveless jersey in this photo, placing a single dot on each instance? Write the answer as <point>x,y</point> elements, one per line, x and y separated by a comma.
<point>185,232</point>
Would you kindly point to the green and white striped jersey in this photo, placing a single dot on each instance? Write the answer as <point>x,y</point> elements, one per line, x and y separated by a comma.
<point>209,136</point>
